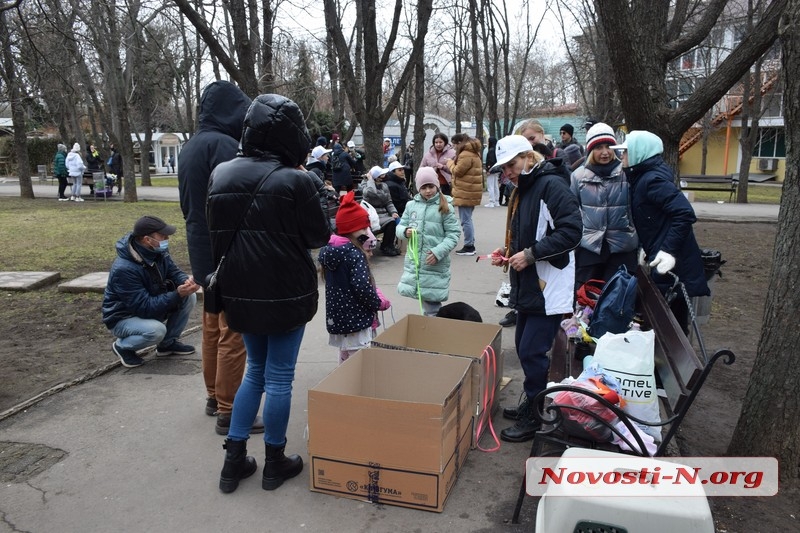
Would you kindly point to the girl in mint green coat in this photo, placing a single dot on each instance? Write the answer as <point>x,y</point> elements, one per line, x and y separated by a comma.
<point>430,225</point>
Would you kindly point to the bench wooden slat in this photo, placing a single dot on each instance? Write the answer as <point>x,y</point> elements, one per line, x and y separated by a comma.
<point>658,316</point>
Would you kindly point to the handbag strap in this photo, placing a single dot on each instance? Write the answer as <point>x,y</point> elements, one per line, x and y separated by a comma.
<point>213,279</point>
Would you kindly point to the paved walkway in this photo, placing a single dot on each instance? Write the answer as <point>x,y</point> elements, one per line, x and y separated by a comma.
<point>132,450</point>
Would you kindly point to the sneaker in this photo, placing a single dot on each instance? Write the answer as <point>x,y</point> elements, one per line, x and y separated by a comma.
<point>466,250</point>
<point>78,199</point>
<point>176,348</point>
<point>64,199</point>
<point>211,406</point>
<point>509,320</point>
<point>71,198</point>
<point>490,204</point>
<point>128,358</point>
<point>224,423</point>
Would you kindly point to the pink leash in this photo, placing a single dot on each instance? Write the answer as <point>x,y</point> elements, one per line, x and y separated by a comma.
<point>488,398</point>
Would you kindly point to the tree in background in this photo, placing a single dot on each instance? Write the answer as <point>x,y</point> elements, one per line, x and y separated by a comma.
<point>647,36</point>
<point>769,423</point>
<point>371,107</point>
<point>587,55</point>
<point>303,86</point>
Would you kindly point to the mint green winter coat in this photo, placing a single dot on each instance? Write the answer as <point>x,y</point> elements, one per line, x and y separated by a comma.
<point>437,233</point>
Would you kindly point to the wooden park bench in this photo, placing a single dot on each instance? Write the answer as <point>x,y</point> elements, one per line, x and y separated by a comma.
<point>719,183</point>
<point>680,374</point>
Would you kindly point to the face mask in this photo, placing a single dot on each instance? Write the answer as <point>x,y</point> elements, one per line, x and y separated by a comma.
<point>163,246</point>
<point>368,241</point>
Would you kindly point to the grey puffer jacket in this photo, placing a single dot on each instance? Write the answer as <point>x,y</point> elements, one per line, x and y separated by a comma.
<point>605,208</point>
<point>378,195</point>
<point>268,281</point>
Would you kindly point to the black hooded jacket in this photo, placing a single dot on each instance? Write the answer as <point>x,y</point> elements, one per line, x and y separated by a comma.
<point>264,216</point>
<point>221,117</point>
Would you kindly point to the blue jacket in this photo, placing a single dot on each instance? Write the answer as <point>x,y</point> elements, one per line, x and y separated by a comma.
<point>663,218</point>
<point>343,176</point>
<point>350,297</point>
<point>142,283</point>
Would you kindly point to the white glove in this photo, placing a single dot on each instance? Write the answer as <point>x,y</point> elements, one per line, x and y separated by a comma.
<point>641,257</point>
<point>663,262</point>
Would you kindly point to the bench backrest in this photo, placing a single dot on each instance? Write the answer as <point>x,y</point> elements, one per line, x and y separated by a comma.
<point>680,371</point>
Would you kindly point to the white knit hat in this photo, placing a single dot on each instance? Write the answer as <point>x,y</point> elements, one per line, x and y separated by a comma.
<point>600,133</point>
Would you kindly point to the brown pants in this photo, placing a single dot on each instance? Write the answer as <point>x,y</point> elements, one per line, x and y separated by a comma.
<point>224,357</point>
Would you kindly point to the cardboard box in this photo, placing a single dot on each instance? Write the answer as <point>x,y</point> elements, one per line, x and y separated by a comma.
<point>390,429</point>
<point>459,338</point>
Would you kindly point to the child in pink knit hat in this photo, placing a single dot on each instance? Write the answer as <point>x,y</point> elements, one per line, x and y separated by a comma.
<point>430,225</point>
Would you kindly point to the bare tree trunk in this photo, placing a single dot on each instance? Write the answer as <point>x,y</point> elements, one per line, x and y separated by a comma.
<point>419,114</point>
<point>706,125</point>
<point>476,73</point>
<point>267,79</point>
<point>768,423</point>
<point>12,82</point>
<point>751,112</point>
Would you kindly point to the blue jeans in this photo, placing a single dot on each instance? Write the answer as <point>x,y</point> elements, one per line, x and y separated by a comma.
<point>465,217</point>
<point>77,181</point>
<point>270,369</point>
<point>137,333</point>
<point>534,337</point>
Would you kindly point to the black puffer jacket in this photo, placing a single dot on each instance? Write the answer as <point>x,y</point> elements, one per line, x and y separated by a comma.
<point>546,221</point>
<point>220,121</point>
<point>268,280</point>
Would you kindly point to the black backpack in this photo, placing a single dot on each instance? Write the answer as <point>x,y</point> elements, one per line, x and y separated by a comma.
<point>616,305</point>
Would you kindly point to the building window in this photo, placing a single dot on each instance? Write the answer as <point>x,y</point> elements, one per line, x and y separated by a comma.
<point>771,143</point>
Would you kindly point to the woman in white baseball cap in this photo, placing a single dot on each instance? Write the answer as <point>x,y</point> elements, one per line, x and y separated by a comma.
<point>543,226</point>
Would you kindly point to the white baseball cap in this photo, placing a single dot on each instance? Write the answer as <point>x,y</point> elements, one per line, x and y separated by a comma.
<point>319,151</point>
<point>508,148</point>
<point>394,165</point>
<point>351,144</point>
<point>376,172</point>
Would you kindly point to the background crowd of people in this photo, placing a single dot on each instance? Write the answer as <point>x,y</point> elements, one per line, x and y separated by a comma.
<point>257,196</point>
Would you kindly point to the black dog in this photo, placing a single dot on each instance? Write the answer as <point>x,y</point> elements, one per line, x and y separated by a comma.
<point>459,311</point>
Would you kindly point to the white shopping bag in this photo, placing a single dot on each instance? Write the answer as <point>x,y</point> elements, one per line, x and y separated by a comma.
<point>629,357</point>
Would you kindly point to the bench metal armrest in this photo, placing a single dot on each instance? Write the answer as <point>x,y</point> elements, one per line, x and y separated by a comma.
<point>551,414</point>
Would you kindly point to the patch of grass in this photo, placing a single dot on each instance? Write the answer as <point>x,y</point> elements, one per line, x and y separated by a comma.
<point>756,194</point>
<point>159,181</point>
<point>76,238</point>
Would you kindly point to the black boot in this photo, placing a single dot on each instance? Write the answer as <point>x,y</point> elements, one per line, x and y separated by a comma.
<point>525,428</point>
<point>278,468</point>
<point>238,465</point>
<point>512,413</point>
